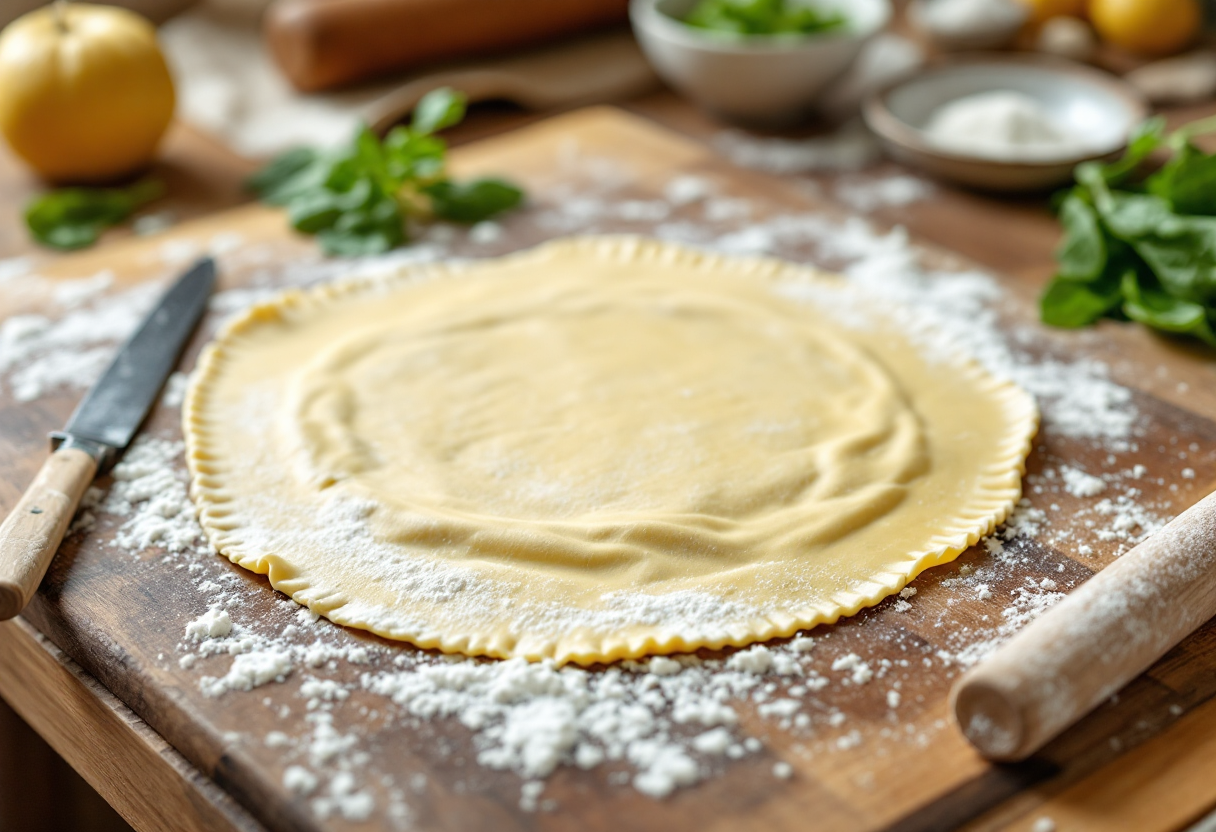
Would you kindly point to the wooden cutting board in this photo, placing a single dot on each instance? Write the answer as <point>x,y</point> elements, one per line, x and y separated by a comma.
<point>121,617</point>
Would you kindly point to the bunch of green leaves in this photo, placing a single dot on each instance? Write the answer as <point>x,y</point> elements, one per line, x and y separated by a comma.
<point>71,218</point>
<point>1141,246</point>
<point>763,17</point>
<point>356,200</point>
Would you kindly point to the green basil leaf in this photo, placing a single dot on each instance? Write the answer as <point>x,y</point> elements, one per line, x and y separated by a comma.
<point>71,218</point>
<point>438,109</point>
<point>273,182</point>
<point>471,202</point>
<point>372,230</point>
<point>411,155</point>
<point>372,161</point>
<point>314,211</point>
<point>1082,254</point>
<point>355,199</point>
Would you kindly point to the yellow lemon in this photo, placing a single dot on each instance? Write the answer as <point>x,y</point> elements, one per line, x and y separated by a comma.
<point>1041,10</point>
<point>1147,27</point>
<point>85,94</point>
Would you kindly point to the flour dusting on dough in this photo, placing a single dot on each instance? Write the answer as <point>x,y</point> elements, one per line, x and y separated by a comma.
<point>687,705</point>
<point>490,460</point>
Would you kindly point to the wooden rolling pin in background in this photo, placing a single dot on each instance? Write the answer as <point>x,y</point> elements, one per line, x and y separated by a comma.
<point>1104,634</point>
<point>322,44</point>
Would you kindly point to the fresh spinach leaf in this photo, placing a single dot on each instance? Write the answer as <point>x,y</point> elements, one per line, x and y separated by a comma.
<point>1130,216</point>
<point>1141,246</point>
<point>1147,137</point>
<point>1161,310</point>
<point>1082,255</point>
<point>1181,252</point>
<point>71,218</point>
<point>1068,303</point>
<point>1187,182</point>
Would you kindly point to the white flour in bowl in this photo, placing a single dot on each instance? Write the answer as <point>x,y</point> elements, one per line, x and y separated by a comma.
<point>1003,125</point>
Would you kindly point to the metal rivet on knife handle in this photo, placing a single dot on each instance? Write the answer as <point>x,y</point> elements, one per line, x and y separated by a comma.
<point>1107,632</point>
<point>32,532</point>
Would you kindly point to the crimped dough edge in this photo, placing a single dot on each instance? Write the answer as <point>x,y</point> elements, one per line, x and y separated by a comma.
<point>990,505</point>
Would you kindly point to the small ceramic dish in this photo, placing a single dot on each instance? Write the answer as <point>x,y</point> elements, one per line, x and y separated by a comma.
<point>758,79</point>
<point>948,31</point>
<point>1085,101</point>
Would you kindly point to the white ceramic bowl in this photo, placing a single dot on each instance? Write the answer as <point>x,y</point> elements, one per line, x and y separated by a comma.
<point>1090,103</point>
<point>753,79</point>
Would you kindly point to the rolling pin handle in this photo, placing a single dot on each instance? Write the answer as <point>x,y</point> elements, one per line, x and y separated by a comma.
<point>1104,634</point>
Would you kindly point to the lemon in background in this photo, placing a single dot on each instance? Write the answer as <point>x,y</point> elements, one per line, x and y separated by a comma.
<point>1147,27</point>
<point>85,94</point>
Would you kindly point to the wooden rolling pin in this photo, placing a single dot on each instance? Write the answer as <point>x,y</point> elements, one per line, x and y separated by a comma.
<point>1095,641</point>
<point>322,44</point>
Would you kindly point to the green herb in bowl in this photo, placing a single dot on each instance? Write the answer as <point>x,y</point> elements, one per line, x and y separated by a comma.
<point>763,17</point>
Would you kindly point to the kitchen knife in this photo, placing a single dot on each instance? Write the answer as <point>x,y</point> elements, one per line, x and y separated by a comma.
<point>98,432</point>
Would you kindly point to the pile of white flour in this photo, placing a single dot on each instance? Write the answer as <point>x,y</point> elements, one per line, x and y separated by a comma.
<point>655,725</point>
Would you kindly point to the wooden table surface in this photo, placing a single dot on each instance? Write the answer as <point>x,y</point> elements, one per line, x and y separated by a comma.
<point>1159,785</point>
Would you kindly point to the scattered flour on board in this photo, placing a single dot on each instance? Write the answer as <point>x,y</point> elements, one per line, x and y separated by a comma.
<point>1080,484</point>
<point>38,354</point>
<point>655,725</point>
<point>871,193</point>
<point>214,623</point>
<point>850,148</point>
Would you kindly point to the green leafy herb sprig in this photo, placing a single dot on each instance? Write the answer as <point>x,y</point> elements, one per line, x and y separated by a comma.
<point>1141,247</point>
<point>356,200</point>
<point>763,17</point>
<point>71,218</point>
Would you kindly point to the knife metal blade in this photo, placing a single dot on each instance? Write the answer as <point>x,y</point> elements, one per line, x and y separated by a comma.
<point>116,405</point>
<point>101,427</point>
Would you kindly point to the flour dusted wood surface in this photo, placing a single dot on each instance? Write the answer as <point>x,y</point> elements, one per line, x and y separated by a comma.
<point>121,617</point>
<point>1093,643</point>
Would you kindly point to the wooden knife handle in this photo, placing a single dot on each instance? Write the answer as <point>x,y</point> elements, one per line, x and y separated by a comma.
<point>32,532</point>
<point>1099,638</point>
<point>321,44</point>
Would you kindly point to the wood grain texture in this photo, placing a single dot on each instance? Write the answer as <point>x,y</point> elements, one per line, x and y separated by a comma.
<point>322,44</point>
<point>132,767</point>
<point>1103,635</point>
<point>34,528</point>
<point>1119,797</point>
<point>121,617</point>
